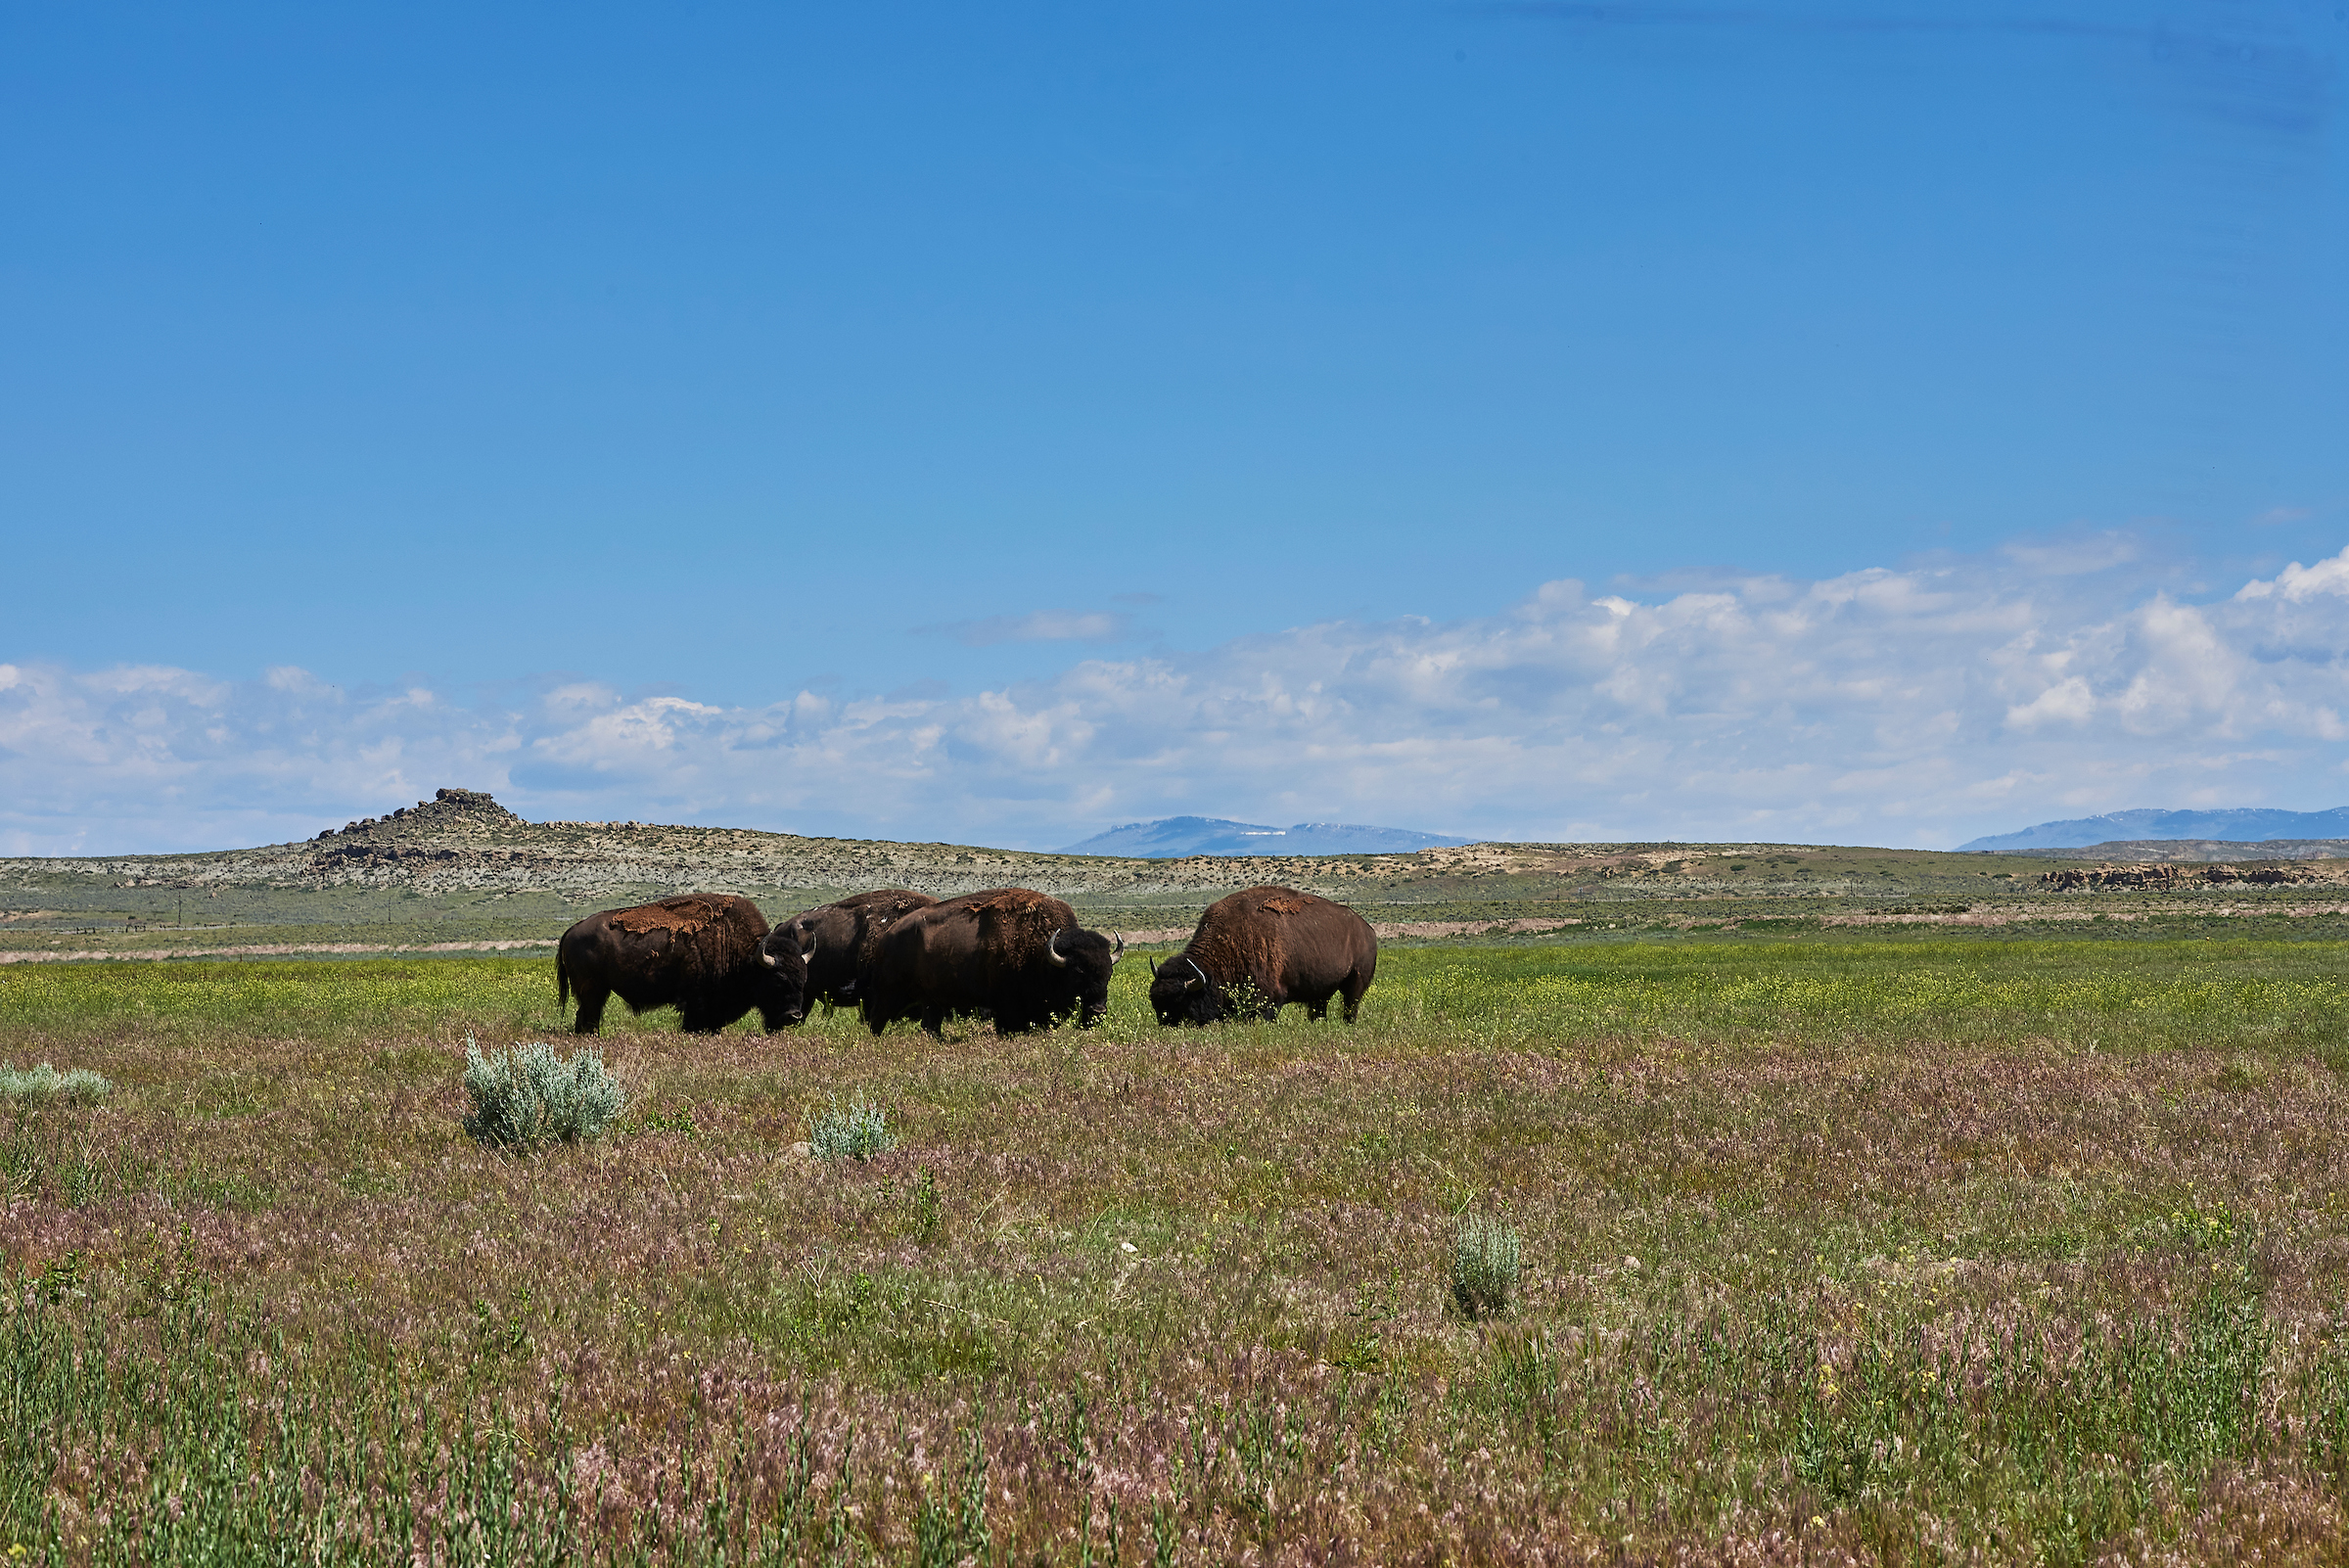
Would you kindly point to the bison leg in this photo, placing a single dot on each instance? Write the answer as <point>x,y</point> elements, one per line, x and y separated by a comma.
<point>934,1020</point>
<point>1355,985</point>
<point>591,1009</point>
<point>1315,1011</point>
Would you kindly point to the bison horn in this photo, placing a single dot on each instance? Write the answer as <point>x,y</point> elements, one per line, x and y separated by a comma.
<point>1052,951</point>
<point>1117,949</point>
<point>1152,963</point>
<point>769,959</point>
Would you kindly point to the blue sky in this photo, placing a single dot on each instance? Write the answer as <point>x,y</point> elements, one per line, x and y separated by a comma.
<point>928,422</point>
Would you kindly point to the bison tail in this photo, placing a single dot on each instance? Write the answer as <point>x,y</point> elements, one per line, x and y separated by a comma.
<point>562,983</point>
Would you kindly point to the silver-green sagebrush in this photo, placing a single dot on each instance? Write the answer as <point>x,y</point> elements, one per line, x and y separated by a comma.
<point>532,1096</point>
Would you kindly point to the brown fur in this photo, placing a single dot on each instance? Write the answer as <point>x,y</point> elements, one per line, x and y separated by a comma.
<point>698,951</point>
<point>988,953</point>
<point>681,916</point>
<point>1288,946</point>
<point>706,930</point>
<point>1016,924</point>
<point>839,936</point>
<point>1229,943</point>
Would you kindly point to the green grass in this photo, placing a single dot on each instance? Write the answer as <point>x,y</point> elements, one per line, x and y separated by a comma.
<point>2144,995</point>
<point>1901,1250</point>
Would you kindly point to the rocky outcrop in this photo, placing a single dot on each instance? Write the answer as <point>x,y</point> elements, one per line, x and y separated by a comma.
<point>2177,878</point>
<point>471,812</point>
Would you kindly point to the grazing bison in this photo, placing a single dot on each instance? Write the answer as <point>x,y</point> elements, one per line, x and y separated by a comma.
<point>1017,956</point>
<point>706,953</point>
<point>1284,945</point>
<point>835,937</point>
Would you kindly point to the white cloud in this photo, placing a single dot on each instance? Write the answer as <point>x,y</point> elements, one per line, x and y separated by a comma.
<point>2297,583</point>
<point>1917,707</point>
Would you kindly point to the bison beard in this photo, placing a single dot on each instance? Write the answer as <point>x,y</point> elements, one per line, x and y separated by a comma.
<point>1287,946</point>
<point>703,952</point>
<point>1010,954</point>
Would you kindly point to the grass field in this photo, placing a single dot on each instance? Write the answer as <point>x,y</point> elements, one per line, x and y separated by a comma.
<point>2000,1251</point>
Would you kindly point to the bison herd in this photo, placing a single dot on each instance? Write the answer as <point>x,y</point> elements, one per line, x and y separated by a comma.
<point>1008,954</point>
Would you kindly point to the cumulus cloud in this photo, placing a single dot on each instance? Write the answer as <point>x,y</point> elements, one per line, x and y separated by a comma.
<point>1919,706</point>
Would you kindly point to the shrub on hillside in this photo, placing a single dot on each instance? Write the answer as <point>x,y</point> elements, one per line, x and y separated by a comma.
<point>46,1086</point>
<point>531,1096</point>
<point>1484,1266</point>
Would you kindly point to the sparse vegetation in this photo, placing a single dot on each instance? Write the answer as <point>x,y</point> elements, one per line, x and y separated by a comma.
<point>532,1096</point>
<point>1949,1250</point>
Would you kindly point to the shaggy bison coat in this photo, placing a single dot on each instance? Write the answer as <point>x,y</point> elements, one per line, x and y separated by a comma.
<point>703,952</point>
<point>835,937</point>
<point>1286,947</point>
<point>1014,955</point>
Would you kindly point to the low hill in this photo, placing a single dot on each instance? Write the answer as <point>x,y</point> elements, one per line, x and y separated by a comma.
<point>461,873</point>
<point>2228,826</point>
<point>1171,837</point>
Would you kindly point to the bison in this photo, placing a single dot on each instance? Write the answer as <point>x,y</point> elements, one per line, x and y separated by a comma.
<point>704,953</point>
<point>836,936</point>
<point>1264,947</point>
<point>1010,953</point>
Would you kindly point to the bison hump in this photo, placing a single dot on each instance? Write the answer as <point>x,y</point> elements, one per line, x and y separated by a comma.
<point>683,916</point>
<point>1285,904</point>
<point>1011,901</point>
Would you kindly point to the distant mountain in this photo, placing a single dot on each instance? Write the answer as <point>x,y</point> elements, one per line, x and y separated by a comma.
<point>2245,826</point>
<point>1171,837</point>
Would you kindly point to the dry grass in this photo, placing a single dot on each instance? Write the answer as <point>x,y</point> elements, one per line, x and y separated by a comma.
<point>2019,1252</point>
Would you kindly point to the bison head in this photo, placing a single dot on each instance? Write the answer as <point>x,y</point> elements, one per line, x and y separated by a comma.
<point>1182,994</point>
<point>782,988</point>
<point>1082,961</point>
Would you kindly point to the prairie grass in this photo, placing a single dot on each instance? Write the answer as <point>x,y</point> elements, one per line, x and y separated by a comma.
<point>2023,1252</point>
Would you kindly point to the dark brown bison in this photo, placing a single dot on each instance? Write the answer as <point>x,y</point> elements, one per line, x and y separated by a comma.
<point>704,953</point>
<point>835,937</point>
<point>1013,954</point>
<point>1280,945</point>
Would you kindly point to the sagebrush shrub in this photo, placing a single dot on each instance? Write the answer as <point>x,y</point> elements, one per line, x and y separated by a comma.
<point>1484,1266</point>
<point>531,1096</point>
<point>858,1131</point>
<point>46,1086</point>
